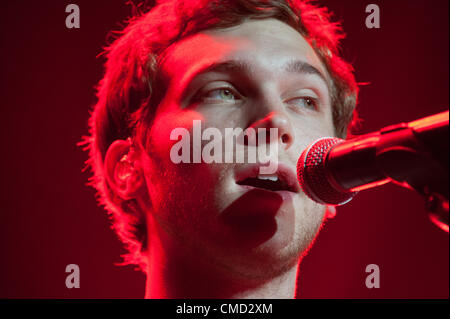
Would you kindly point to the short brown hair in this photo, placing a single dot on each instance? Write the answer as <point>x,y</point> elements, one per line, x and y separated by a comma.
<point>127,97</point>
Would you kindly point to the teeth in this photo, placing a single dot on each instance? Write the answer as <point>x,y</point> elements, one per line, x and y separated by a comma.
<point>273,178</point>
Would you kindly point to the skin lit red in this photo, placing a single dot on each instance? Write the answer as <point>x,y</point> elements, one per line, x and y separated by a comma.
<point>193,232</point>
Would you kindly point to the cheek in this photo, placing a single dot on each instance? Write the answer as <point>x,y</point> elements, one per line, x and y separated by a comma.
<point>167,123</point>
<point>169,178</point>
<point>309,219</point>
<point>308,130</point>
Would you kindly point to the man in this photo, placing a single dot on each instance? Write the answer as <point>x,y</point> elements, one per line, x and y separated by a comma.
<point>217,229</point>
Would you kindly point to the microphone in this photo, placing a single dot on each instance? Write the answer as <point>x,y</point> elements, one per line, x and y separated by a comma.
<point>332,171</point>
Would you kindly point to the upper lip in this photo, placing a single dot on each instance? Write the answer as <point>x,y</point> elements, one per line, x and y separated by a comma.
<point>285,175</point>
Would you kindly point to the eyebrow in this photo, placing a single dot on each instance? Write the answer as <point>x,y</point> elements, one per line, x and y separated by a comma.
<point>298,66</point>
<point>236,66</point>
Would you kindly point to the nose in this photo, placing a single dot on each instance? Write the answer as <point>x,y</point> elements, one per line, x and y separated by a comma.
<point>279,121</point>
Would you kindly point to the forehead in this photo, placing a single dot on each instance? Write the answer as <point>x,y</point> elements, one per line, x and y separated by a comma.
<point>266,45</point>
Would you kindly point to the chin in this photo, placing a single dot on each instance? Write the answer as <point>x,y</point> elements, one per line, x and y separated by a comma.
<point>263,263</point>
<point>264,260</point>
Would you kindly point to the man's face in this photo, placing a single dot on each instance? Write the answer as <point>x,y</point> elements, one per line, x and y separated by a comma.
<point>260,74</point>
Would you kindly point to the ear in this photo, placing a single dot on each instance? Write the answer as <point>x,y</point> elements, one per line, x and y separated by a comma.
<point>124,177</point>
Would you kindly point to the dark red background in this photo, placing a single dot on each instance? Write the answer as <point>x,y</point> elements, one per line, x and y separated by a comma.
<point>49,218</point>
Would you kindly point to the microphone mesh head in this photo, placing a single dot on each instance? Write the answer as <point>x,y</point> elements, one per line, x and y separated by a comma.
<point>312,174</point>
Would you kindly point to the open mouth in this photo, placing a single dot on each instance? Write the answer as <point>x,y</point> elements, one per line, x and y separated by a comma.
<point>269,182</point>
<point>282,180</point>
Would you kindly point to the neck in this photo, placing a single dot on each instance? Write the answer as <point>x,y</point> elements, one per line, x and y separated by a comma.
<point>186,283</point>
<point>171,273</point>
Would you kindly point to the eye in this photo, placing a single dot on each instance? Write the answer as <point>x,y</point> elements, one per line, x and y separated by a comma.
<point>219,95</point>
<point>304,102</point>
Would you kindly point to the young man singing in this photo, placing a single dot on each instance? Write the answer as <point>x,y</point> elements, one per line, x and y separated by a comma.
<point>217,228</point>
